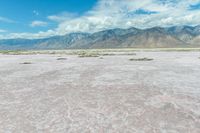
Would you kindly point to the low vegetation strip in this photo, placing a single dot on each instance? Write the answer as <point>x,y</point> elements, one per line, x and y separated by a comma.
<point>88,54</point>
<point>99,52</point>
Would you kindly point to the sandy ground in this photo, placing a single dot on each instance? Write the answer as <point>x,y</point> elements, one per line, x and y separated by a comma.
<point>109,95</point>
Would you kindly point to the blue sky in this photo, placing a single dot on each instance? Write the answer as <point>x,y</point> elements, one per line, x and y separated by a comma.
<point>22,12</point>
<point>44,18</point>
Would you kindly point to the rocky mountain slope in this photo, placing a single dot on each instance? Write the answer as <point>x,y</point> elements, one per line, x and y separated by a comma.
<point>156,37</point>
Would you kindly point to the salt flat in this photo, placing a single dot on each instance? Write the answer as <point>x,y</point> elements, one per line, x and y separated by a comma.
<point>41,94</point>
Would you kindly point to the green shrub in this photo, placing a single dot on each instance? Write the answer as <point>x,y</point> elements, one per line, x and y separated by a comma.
<point>61,58</point>
<point>141,59</point>
<point>26,63</point>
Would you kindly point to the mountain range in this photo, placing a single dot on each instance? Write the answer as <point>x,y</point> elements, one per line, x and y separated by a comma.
<point>155,37</point>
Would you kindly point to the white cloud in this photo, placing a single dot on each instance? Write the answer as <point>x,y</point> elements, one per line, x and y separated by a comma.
<point>40,34</point>
<point>38,23</point>
<point>2,31</point>
<point>107,14</point>
<point>120,13</point>
<point>64,16</point>
<point>6,20</point>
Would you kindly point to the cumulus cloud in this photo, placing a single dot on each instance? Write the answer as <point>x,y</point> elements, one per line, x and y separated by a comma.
<point>38,23</point>
<point>108,14</point>
<point>133,13</point>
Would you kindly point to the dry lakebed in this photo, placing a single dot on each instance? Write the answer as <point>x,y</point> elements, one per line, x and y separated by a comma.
<point>145,92</point>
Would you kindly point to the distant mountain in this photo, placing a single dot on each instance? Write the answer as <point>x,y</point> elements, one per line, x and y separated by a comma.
<point>156,37</point>
<point>56,42</point>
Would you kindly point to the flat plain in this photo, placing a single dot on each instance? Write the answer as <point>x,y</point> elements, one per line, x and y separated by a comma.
<point>116,92</point>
